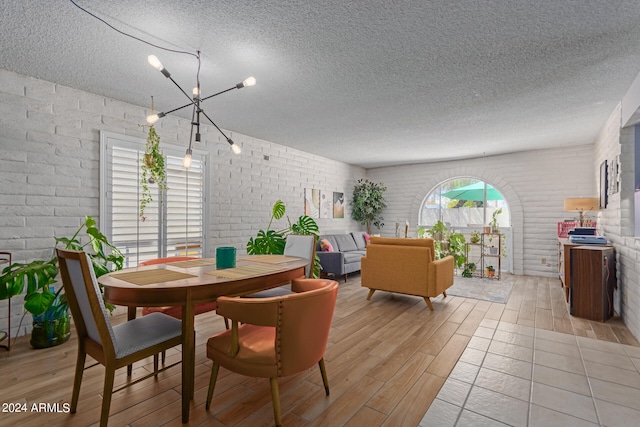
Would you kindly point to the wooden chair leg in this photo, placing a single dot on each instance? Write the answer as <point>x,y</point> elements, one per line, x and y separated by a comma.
<point>212,384</point>
<point>77,380</point>
<point>428,301</point>
<point>444,293</point>
<point>345,278</point>
<point>226,323</point>
<point>109,374</point>
<point>275,397</point>
<point>164,356</point>
<point>323,372</point>
<point>371,291</point>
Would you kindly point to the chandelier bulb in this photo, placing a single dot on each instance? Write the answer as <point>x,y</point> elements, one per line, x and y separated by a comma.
<point>155,62</point>
<point>186,162</point>
<point>234,147</point>
<point>251,81</point>
<point>152,118</point>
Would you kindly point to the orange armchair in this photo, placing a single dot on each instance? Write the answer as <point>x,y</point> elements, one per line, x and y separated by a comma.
<point>406,266</point>
<point>280,336</point>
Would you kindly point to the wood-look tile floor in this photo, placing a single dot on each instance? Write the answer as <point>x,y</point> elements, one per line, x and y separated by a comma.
<point>386,361</point>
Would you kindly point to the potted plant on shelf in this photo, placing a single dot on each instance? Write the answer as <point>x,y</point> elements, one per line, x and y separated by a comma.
<point>153,169</point>
<point>475,237</point>
<point>495,229</point>
<point>51,319</point>
<point>272,242</point>
<point>490,271</point>
<point>469,269</point>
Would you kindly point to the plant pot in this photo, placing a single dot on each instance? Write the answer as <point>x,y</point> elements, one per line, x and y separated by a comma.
<point>486,229</point>
<point>493,250</point>
<point>437,235</point>
<point>49,331</point>
<point>444,246</point>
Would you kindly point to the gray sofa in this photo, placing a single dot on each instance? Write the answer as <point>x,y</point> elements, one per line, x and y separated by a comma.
<point>348,249</point>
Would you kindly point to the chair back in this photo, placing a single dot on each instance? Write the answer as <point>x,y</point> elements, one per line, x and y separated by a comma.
<point>167,260</point>
<point>85,299</point>
<point>303,246</point>
<point>304,323</point>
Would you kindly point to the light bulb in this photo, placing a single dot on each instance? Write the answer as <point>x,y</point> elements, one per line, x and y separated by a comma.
<point>152,118</point>
<point>186,162</point>
<point>155,62</point>
<point>196,92</point>
<point>236,148</point>
<point>250,81</point>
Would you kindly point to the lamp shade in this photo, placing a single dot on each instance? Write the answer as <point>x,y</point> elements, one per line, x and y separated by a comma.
<point>579,204</point>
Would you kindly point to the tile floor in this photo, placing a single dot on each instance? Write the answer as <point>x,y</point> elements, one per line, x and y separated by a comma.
<point>513,375</point>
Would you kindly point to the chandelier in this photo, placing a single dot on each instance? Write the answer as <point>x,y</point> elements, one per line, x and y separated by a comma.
<point>195,100</point>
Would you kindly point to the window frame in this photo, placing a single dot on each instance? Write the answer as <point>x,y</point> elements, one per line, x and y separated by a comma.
<point>111,139</point>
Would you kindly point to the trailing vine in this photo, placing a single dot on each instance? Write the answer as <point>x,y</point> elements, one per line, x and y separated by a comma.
<point>153,169</point>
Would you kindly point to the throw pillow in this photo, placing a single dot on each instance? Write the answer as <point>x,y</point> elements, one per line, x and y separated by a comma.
<point>367,237</point>
<point>325,246</point>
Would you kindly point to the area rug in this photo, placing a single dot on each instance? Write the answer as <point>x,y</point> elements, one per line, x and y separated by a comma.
<point>482,289</point>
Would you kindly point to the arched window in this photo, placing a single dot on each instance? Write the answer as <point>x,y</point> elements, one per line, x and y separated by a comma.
<point>464,202</point>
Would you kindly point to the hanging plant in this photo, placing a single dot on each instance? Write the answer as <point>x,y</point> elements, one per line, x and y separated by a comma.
<point>153,170</point>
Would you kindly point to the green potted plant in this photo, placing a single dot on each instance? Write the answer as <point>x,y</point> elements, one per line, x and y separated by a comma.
<point>490,271</point>
<point>272,242</point>
<point>469,269</point>
<point>475,237</point>
<point>51,320</point>
<point>447,243</point>
<point>368,203</point>
<point>152,169</point>
<point>494,221</point>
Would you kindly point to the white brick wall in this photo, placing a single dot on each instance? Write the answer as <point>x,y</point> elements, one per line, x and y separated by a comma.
<point>534,184</point>
<point>49,170</point>
<point>617,219</point>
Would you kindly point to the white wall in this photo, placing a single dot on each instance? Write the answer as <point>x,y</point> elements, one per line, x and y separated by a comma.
<point>616,220</point>
<point>534,184</point>
<point>49,170</point>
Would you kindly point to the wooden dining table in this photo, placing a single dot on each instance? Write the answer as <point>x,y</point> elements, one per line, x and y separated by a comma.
<point>187,283</point>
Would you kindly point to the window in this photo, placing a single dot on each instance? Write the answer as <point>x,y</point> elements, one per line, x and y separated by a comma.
<point>175,223</point>
<point>464,202</point>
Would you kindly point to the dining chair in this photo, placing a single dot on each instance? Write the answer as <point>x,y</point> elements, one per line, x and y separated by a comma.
<point>176,310</point>
<point>299,245</point>
<point>279,336</point>
<point>112,346</point>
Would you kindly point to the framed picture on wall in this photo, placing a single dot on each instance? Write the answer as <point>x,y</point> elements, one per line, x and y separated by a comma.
<point>603,185</point>
<point>326,204</point>
<point>338,205</point>
<point>312,202</point>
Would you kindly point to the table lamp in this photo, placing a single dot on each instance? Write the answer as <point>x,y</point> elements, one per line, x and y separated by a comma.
<point>581,204</point>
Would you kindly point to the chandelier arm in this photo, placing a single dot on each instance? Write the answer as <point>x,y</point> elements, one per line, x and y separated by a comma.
<point>193,103</point>
<point>213,123</point>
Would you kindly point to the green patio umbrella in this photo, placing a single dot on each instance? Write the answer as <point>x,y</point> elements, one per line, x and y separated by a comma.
<point>473,192</point>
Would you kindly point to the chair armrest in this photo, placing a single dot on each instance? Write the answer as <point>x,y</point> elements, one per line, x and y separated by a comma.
<point>256,311</point>
<point>441,274</point>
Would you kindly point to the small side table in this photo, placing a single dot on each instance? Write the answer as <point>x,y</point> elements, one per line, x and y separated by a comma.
<point>5,260</point>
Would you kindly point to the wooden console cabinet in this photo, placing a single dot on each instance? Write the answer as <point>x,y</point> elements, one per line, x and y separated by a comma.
<point>593,277</point>
<point>564,262</point>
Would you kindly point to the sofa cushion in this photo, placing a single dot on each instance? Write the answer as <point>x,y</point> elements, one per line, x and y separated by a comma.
<point>359,238</point>
<point>345,242</point>
<point>325,246</point>
<point>353,256</point>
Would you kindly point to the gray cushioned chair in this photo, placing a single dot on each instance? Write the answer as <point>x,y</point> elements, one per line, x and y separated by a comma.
<point>112,346</point>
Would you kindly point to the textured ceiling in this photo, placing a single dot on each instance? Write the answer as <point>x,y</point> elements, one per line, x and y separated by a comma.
<point>371,83</point>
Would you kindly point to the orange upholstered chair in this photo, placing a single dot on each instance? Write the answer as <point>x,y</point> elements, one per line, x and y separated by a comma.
<point>280,336</point>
